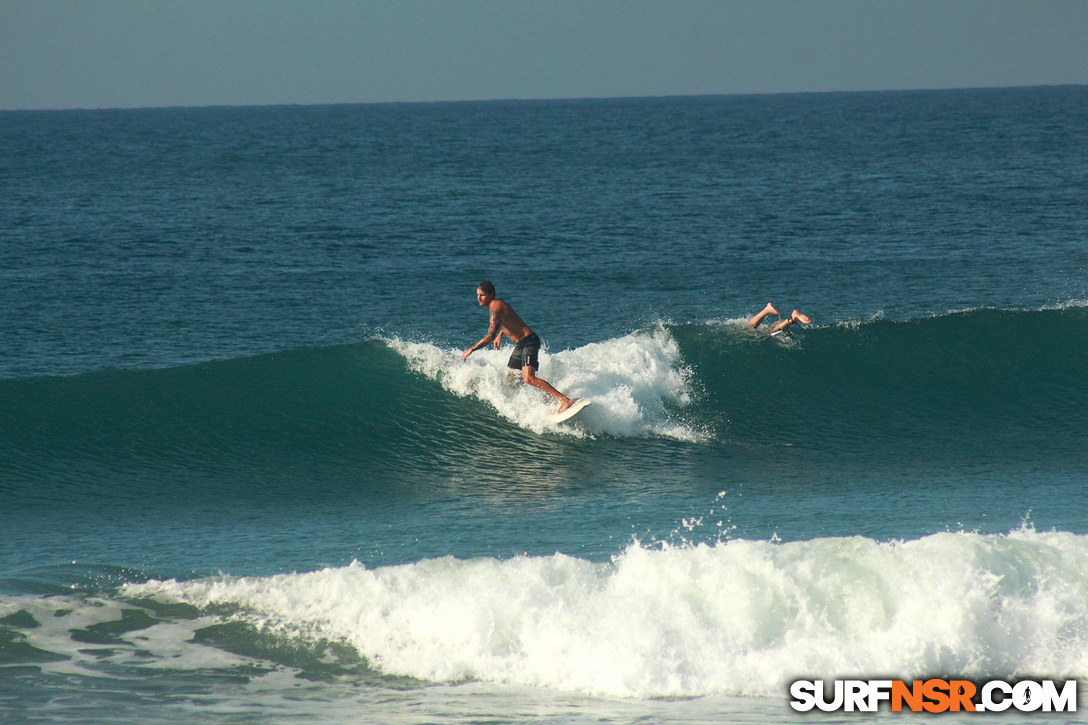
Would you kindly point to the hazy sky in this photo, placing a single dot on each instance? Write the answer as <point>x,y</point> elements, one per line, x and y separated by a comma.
<point>133,53</point>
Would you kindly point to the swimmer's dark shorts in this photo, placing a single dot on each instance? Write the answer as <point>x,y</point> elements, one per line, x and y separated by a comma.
<point>525,353</point>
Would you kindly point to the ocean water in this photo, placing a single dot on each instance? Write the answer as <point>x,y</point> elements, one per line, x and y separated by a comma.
<point>245,475</point>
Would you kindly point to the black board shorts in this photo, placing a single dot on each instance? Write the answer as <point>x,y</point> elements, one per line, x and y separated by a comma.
<point>525,353</point>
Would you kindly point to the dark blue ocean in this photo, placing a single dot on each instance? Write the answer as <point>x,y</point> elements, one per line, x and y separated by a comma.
<point>245,476</point>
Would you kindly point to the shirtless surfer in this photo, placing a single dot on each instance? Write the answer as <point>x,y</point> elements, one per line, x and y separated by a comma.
<point>526,344</point>
<point>781,324</point>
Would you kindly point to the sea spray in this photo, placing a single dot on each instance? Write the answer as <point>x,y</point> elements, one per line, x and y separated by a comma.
<point>635,382</point>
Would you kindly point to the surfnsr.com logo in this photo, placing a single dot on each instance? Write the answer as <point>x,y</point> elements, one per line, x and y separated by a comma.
<point>934,695</point>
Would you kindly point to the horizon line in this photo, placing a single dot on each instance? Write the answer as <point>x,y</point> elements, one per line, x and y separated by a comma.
<point>557,99</point>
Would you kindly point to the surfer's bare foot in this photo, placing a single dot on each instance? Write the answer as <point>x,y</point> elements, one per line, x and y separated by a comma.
<point>794,317</point>
<point>567,402</point>
<point>758,318</point>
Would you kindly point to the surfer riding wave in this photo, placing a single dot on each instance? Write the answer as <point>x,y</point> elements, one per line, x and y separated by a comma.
<point>504,321</point>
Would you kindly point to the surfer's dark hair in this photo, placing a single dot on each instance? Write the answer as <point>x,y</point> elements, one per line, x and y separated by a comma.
<point>488,288</point>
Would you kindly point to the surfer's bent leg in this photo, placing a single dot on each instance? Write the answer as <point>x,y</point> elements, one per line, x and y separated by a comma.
<point>525,352</point>
<point>529,375</point>
<point>758,318</point>
<point>525,356</point>
<point>795,317</point>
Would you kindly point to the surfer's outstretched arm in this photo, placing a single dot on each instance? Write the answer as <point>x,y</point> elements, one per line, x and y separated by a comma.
<point>494,331</point>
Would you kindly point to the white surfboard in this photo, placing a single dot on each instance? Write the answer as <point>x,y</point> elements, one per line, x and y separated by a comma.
<point>573,410</point>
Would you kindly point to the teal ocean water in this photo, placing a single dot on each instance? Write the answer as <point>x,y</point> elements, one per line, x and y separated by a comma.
<point>245,475</point>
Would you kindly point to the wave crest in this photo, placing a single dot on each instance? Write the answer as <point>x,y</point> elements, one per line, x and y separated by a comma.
<point>636,382</point>
<point>736,617</point>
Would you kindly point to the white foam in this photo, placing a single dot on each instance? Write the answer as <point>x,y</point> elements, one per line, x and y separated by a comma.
<point>737,617</point>
<point>636,382</point>
<point>163,645</point>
